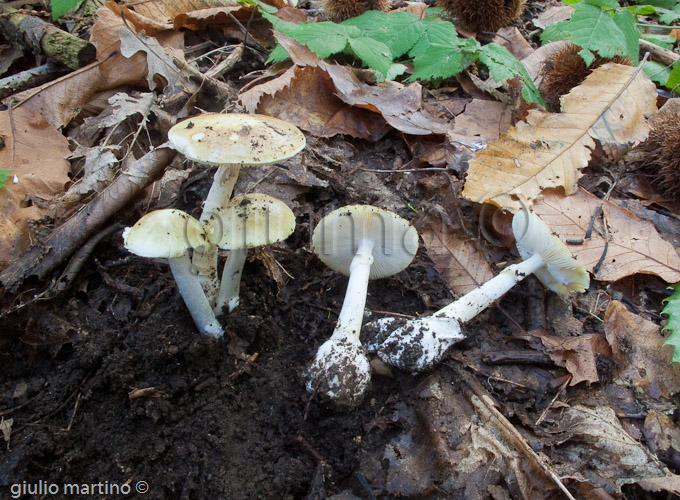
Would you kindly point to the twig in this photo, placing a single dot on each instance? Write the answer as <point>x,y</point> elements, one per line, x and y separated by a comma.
<point>39,260</point>
<point>552,402</point>
<point>589,231</point>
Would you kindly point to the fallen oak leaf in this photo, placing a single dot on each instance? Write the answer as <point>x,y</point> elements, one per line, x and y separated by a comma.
<point>633,246</point>
<point>456,258</point>
<point>578,355</point>
<point>548,150</point>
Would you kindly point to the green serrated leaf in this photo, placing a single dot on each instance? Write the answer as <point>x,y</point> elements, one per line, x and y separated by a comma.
<point>672,310</point>
<point>503,65</point>
<point>658,72</point>
<point>439,53</point>
<point>279,54</point>
<point>625,20</point>
<point>604,4</point>
<point>593,29</point>
<point>398,30</point>
<point>61,7</point>
<point>669,16</point>
<point>666,4</point>
<point>587,56</point>
<point>673,81</point>
<point>374,54</point>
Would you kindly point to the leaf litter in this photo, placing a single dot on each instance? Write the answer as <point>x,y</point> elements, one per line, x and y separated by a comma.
<point>585,408</point>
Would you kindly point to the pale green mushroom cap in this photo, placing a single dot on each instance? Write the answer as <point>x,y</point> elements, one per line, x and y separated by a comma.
<point>560,273</point>
<point>166,234</point>
<point>250,221</point>
<point>337,236</point>
<point>236,138</point>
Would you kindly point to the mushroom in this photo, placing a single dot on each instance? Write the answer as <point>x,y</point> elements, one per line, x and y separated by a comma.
<point>170,234</point>
<point>230,141</point>
<point>416,345</point>
<point>248,221</point>
<point>362,242</point>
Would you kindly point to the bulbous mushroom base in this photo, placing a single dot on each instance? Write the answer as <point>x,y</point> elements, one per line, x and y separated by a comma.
<point>411,345</point>
<point>340,372</point>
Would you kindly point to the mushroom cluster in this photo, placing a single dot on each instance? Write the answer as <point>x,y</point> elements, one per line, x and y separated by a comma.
<point>362,242</point>
<point>230,141</point>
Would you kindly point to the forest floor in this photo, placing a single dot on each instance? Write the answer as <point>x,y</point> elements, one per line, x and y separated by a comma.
<point>108,384</point>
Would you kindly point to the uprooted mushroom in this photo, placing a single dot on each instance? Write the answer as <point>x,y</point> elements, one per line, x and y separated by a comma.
<point>418,344</point>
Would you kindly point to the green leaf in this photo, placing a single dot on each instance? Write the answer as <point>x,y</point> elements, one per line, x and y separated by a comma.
<point>626,22</point>
<point>666,4</point>
<point>669,16</point>
<point>279,54</point>
<point>673,82</point>
<point>398,30</point>
<point>439,53</point>
<point>658,72</point>
<point>374,54</point>
<point>594,29</point>
<point>4,175</point>
<point>604,4</point>
<point>665,41</point>
<point>503,65</point>
<point>61,7</point>
<point>672,310</point>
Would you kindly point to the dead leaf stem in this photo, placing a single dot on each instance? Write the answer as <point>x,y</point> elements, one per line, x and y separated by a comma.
<point>39,260</point>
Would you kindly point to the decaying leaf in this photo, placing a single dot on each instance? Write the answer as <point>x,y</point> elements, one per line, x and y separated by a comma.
<point>633,246</point>
<point>484,119</point>
<point>579,355</point>
<point>159,63</point>
<point>456,258</point>
<point>643,360</point>
<point>604,453</point>
<point>41,173</point>
<point>60,101</point>
<point>550,149</point>
<point>326,98</point>
<point>6,429</point>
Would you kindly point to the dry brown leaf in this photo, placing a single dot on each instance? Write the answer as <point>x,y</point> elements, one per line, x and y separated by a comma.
<point>399,105</point>
<point>644,362</point>
<point>456,258</point>
<point>41,172</point>
<point>634,246</point>
<point>552,15</point>
<point>578,355</point>
<point>484,119</point>
<point>60,101</point>
<point>310,103</point>
<point>603,452</point>
<point>165,11</point>
<point>550,149</point>
<point>512,39</point>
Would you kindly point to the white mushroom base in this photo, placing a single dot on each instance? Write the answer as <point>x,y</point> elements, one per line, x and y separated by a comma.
<point>411,345</point>
<point>340,371</point>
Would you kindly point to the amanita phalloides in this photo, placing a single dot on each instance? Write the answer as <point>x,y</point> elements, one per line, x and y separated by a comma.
<point>230,141</point>
<point>418,344</point>
<point>362,242</point>
<point>171,234</point>
<point>249,221</point>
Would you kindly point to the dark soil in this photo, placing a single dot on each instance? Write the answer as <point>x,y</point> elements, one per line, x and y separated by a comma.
<point>111,383</point>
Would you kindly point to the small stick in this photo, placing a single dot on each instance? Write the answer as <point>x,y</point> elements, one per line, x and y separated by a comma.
<point>606,244</point>
<point>589,232</point>
<point>552,402</point>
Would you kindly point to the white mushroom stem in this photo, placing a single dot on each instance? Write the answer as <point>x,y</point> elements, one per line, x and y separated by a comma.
<point>204,260</point>
<point>231,281</point>
<point>471,304</point>
<point>220,190</point>
<point>352,312</point>
<point>192,293</point>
